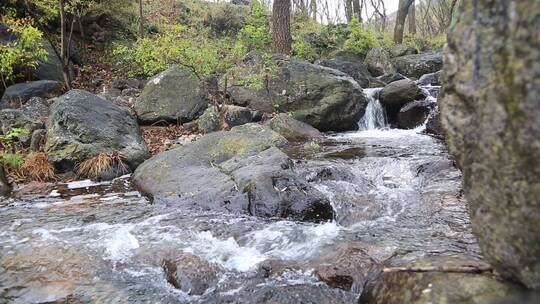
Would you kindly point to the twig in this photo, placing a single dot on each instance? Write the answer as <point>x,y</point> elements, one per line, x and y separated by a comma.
<point>449,269</point>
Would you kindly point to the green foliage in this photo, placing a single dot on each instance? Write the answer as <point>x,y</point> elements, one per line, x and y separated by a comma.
<point>361,39</point>
<point>255,35</point>
<point>176,45</point>
<point>225,18</point>
<point>7,140</point>
<point>312,40</point>
<point>24,52</point>
<point>11,159</point>
<point>424,44</point>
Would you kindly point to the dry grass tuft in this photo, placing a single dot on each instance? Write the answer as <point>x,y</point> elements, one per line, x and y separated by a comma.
<point>94,167</point>
<point>36,167</point>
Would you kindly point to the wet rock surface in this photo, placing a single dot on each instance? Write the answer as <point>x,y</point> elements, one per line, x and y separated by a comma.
<point>438,286</point>
<point>327,99</point>
<point>489,111</point>
<point>82,125</point>
<point>414,114</point>
<point>397,94</point>
<point>191,274</point>
<point>239,171</point>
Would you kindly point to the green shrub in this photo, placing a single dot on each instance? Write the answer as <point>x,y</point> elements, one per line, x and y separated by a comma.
<point>176,45</point>
<point>24,52</point>
<point>255,35</point>
<point>361,39</point>
<point>425,44</point>
<point>225,18</point>
<point>11,159</point>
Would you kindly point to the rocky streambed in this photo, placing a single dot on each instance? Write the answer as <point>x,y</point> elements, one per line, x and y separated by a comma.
<point>396,201</point>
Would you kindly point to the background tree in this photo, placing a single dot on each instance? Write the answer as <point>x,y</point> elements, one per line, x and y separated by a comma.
<point>281,27</point>
<point>402,12</point>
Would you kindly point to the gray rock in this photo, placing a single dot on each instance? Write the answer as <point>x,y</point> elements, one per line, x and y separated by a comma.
<point>379,63</point>
<point>419,64</point>
<point>292,129</point>
<point>175,95</point>
<point>489,110</point>
<point>5,188</point>
<point>433,124</point>
<point>353,66</point>
<point>209,121</point>
<point>430,79</point>
<point>414,113</point>
<point>10,119</point>
<point>191,274</point>
<point>239,171</point>
<point>18,94</point>
<point>229,116</point>
<point>300,293</point>
<point>327,99</point>
<point>36,108</point>
<point>402,50</point>
<point>397,94</point>
<point>49,68</point>
<point>389,78</point>
<point>37,140</point>
<point>437,287</point>
<point>82,125</point>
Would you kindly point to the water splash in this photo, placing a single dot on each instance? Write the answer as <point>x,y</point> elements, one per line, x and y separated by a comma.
<point>375,115</point>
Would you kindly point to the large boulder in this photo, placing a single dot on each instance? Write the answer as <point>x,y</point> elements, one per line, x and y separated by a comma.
<point>175,95</point>
<point>397,94</point>
<point>325,98</point>
<point>353,66</point>
<point>419,64</point>
<point>489,109</point>
<point>292,129</point>
<point>238,171</point>
<point>82,125</point>
<point>18,94</point>
<point>378,62</point>
<point>49,68</point>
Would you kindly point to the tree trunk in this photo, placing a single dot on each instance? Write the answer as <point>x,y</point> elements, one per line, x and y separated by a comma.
<point>412,19</point>
<point>141,19</point>
<point>281,27</point>
<point>357,10</point>
<point>348,10</point>
<point>314,9</point>
<point>63,47</point>
<point>400,19</point>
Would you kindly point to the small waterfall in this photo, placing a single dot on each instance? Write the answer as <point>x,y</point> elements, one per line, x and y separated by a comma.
<point>375,115</point>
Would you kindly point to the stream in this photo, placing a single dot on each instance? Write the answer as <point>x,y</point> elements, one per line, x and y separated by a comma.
<point>396,193</point>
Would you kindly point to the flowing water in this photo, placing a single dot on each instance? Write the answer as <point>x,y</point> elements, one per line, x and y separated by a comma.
<point>396,193</point>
